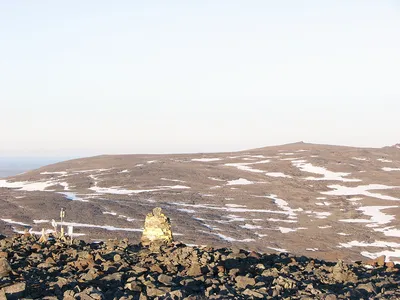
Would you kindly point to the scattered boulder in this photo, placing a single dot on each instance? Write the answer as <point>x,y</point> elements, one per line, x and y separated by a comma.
<point>379,261</point>
<point>5,268</point>
<point>119,270</point>
<point>243,282</point>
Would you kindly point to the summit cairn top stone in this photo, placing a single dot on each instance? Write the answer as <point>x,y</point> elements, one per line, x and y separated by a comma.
<point>157,229</point>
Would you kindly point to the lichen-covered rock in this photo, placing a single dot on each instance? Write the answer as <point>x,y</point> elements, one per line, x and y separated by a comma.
<point>5,268</point>
<point>157,229</point>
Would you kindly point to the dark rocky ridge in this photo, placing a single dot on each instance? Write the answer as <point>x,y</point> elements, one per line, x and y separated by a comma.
<point>118,270</point>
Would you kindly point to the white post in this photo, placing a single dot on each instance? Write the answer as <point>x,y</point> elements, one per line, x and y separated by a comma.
<point>70,230</point>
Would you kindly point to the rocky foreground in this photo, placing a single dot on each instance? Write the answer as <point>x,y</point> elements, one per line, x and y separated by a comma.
<point>118,270</point>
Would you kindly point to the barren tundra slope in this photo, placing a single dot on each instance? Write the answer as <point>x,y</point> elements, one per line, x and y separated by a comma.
<point>323,201</point>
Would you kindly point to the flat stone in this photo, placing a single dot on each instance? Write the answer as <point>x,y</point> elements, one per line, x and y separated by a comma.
<point>194,270</point>
<point>252,293</point>
<point>153,292</point>
<point>243,282</point>
<point>165,279</point>
<point>15,291</point>
<point>5,267</point>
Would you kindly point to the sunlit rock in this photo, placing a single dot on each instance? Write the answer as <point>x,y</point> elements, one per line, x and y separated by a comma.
<point>157,229</point>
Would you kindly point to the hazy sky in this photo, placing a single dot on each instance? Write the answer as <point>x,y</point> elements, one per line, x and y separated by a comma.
<point>92,77</point>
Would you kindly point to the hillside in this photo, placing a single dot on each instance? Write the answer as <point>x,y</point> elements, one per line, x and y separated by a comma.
<point>327,201</point>
<point>116,269</point>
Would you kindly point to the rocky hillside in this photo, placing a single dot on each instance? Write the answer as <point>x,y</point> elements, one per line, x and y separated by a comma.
<point>116,269</point>
<point>330,202</point>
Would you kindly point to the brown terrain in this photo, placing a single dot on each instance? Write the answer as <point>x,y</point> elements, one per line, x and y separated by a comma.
<point>328,202</point>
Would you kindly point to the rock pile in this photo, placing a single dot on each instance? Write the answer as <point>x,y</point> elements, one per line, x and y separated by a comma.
<point>157,229</point>
<point>118,270</point>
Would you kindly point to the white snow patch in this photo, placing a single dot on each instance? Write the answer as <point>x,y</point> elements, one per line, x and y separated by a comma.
<point>286,230</point>
<point>360,158</point>
<point>240,181</point>
<point>206,159</point>
<point>72,196</point>
<point>40,221</point>
<point>277,174</point>
<point>328,175</point>
<point>27,186</point>
<point>339,190</point>
<point>376,215</point>
<point>280,220</point>
<point>385,160</point>
<point>235,205</point>
<point>190,211</point>
<point>109,213</point>
<point>390,169</point>
<point>54,173</point>
<point>10,221</point>
<point>312,249</point>
<point>389,254</point>
<point>278,249</point>
<point>250,226</point>
<point>381,244</point>
<point>229,239</point>
<point>231,209</point>
<point>247,166</point>
<point>116,191</point>
<point>344,234</point>
<point>353,199</point>
<point>215,187</point>
<point>244,167</point>
<point>321,215</point>
<point>389,231</point>
<point>324,227</point>
<point>355,220</point>
<point>215,179</point>
<point>92,170</point>
<point>283,205</point>
<point>174,180</point>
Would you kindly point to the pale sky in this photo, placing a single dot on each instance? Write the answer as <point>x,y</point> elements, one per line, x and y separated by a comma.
<point>93,77</point>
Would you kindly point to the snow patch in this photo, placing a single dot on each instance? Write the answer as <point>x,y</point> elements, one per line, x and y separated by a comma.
<point>240,181</point>
<point>339,190</point>
<point>277,174</point>
<point>206,159</point>
<point>327,175</point>
<point>390,169</point>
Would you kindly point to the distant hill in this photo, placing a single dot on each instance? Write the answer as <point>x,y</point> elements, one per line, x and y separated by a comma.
<point>334,201</point>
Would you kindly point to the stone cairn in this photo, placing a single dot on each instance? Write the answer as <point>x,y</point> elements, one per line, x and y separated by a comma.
<point>157,229</point>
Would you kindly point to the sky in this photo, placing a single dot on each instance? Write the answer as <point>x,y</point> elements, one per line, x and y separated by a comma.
<point>82,78</point>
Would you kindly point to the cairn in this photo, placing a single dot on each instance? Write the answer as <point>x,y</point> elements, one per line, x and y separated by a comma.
<point>157,229</point>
